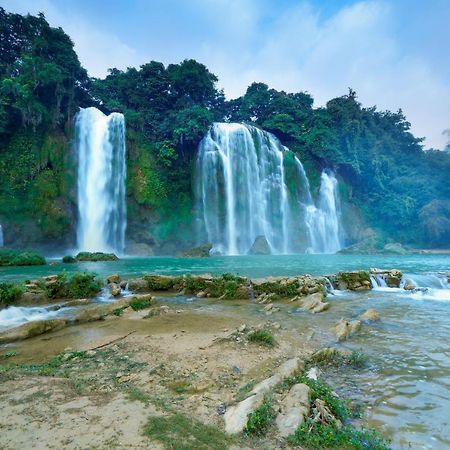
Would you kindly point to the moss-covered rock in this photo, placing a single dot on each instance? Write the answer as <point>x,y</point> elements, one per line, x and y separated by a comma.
<point>354,281</point>
<point>202,251</point>
<point>96,256</point>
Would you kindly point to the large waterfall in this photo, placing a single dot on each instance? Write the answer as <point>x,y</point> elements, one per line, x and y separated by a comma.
<point>100,144</point>
<point>251,187</point>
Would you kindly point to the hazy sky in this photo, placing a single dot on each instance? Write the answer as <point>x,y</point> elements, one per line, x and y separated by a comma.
<point>394,53</point>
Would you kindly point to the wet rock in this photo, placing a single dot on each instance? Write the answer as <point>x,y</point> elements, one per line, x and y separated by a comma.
<point>371,315</point>
<point>115,289</point>
<point>201,294</point>
<point>260,246</point>
<point>162,282</point>
<point>345,329</point>
<point>236,416</point>
<point>354,281</point>
<point>31,329</point>
<point>313,373</point>
<point>295,408</point>
<point>268,307</point>
<point>202,251</point>
<point>138,285</point>
<point>77,302</point>
<point>114,278</point>
<point>314,303</point>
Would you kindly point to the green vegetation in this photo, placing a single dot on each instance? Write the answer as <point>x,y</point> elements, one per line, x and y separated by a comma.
<point>314,435</point>
<point>96,256</point>
<point>10,257</point>
<point>176,431</point>
<point>69,259</point>
<point>10,293</point>
<point>76,285</point>
<point>334,357</point>
<point>264,337</point>
<point>261,419</point>
<point>138,305</point>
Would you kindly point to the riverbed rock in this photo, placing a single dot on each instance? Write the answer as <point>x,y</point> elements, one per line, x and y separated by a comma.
<point>115,289</point>
<point>138,285</point>
<point>315,303</point>
<point>353,281</point>
<point>260,246</point>
<point>295,407</point>
<point>236,416</point>
<point>371,315</point>
<point>31,329</point>
<point>114,278</point>
<point>392,277</point>
<point>345,329</point>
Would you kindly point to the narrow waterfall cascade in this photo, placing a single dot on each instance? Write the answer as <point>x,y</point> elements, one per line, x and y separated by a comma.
<point>251,189</point>
<point>323,221</point>
<point>2,241</point>
<point>100,145</point>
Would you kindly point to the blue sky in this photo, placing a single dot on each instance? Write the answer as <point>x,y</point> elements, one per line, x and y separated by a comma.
<point>394,53</point>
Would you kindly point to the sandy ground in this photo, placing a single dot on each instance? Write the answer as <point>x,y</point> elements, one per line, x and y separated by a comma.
<point>190,361</point>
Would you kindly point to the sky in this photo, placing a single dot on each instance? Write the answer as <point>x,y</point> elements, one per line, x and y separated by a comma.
<point>393,53</point>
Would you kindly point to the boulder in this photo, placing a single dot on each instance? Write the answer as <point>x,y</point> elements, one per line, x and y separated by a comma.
<point>31,329</point>
<point>314,303</point>
<point>114,278</point>
<point>345,329</point>
<point>260,246</point>
<point>202,251</point>
<point>295,407</point>
<point>115,289</point>
<point>371,315</point>
<point>138,285</point>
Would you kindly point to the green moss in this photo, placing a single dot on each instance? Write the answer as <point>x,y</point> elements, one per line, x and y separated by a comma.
<point>177,432</point>
<point>10,257</point>
<point>260,420</point>
<point>10,293</point>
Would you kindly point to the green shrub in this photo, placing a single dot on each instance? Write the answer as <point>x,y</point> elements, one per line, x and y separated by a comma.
<point>10,293</point>
<point>69,259</point>
<point>263,337</point>
<point>10,257</point>
<point>82,285</point>
<point>261,419</point>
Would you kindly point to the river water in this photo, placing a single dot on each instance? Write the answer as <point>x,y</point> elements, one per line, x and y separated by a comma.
<point>406,386</point>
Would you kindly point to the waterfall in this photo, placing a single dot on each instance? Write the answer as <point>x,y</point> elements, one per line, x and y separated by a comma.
<point>249,186</point>
<point>100,145</point>
<point>2,241</point>
<point>322,221</point>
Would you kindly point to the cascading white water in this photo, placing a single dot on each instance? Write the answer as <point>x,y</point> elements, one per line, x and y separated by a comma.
<point>2,241</point>
<point>242,193</point>
<point>322,221</point>
<point>100,144</point>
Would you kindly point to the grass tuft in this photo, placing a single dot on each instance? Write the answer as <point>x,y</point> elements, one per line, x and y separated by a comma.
<point>263,337</point>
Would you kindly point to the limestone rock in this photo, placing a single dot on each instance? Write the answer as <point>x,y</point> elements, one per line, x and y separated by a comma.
<point>344,329</point>
<point>371,315</point>
<point>294,409</point>
<point>314,303</point>
<point>115,289</point>
<point>138,285</point>
<point>237,415</point>
<point>31,329</point>
<point>114,278</point>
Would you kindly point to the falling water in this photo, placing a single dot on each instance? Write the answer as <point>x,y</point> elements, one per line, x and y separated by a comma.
<point>100,143</point>
<point>322,221</point>
<point>2,241</point>
<point>242,193</point>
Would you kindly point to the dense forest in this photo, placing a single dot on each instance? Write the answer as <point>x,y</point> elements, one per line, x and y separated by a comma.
<point>399,190</point>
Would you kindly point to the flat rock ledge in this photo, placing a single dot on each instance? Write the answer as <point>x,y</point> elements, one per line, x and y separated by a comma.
<point>236,416</point>
<point>295,407</point>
